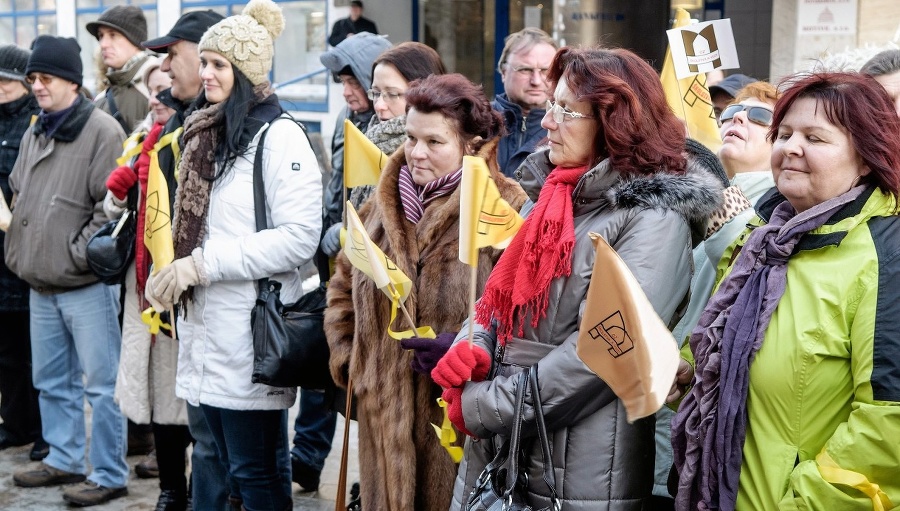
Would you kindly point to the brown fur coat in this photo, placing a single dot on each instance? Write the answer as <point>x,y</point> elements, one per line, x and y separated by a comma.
<point>402,465</point>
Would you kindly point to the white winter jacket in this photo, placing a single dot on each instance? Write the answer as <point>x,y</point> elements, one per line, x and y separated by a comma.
<point>216,356</point>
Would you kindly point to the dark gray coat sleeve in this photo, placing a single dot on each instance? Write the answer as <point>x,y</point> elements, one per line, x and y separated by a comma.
<point>656,247</point>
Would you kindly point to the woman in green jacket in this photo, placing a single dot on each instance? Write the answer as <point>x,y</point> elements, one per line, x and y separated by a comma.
<point>796,399</point>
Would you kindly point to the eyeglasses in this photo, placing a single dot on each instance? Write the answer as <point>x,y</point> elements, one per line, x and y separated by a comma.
<point>387,96</point>
<point>560,113</point>
<point>755,114</point>
<point>45,79</point>
<point>528,71</point>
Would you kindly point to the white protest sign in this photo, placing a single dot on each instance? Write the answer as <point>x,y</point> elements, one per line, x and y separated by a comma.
<point>703,47</point>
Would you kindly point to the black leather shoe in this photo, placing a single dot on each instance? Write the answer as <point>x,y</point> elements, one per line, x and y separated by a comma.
<point>7,440</point>
<point>171,500</point>
<point>304,475</point>
<point>39,450</point>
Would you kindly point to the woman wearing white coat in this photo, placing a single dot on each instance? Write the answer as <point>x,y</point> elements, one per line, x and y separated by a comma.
<point>219,255</point>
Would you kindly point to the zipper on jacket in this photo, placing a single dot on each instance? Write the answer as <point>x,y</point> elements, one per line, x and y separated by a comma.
<point>498,355</point>
<point>524,125</point>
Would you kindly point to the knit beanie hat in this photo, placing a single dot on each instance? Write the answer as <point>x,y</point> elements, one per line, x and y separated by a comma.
<point>57,56</point>
<point>127,19</point>
<point>247,40</point>
<point>13,61</point>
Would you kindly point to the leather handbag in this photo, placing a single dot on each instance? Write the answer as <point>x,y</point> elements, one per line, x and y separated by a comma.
<point>110,250</point>
<point>289,344</point>
<point>501,486</point>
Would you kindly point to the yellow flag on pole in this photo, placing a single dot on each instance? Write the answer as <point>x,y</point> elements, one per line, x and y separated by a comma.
<point>363,160</point>
<point>485,218</point>
<point>369,259</point>
<point>690,98</point>
<point>158,219</point>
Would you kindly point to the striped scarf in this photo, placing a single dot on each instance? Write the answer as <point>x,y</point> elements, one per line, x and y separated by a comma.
<point>415,198</point>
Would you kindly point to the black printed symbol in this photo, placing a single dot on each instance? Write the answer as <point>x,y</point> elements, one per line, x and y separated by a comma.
<point>613,331</point>
<point>295,166</point>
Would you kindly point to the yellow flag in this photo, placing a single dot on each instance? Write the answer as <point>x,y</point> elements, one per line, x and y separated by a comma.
<point>158,219</point>
<point>689,97</point>
<point>485,218</point>
<point>369,259</point>
<point>363,160</point>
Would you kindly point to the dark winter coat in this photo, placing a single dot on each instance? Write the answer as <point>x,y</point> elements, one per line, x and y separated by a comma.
<point>601,461</point>
<point>404,467</point>
<point>130,92</point>
<point>524,132</point>
<point>15,117</point>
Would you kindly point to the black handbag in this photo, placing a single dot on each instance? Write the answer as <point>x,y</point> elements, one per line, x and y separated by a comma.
<point>289,344</point>
<point>500,486</point>
<point>110,250</point>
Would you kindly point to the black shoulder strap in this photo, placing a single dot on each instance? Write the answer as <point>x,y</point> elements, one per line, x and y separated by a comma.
<point>114,110</point>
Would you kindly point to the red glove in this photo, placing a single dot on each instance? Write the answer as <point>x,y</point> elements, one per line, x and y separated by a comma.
<point>453,398</point>
<point>121,180</point>
<point>461,364</point>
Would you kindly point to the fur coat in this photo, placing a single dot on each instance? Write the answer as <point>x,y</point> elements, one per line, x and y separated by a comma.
<point>404,467</point>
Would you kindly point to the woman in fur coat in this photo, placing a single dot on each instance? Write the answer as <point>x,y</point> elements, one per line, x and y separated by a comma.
<point>413,216</point>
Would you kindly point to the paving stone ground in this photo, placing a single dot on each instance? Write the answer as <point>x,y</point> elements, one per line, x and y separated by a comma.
<point>142,493</point>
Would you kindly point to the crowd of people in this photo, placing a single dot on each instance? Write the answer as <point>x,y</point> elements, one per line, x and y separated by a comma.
<point>772,261</point>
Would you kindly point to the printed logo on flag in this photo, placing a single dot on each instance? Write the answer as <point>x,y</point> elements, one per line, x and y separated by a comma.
<point>702,47</point>
<point>612,330</point>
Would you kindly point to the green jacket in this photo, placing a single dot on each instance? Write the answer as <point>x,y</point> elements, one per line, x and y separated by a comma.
<point>824,399</point>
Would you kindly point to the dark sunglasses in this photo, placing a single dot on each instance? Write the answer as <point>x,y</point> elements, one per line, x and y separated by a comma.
<point>44,79</point>
<point>755,114</point>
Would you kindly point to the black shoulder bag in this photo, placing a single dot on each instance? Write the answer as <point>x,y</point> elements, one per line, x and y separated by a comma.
<point>289,344</point>
<point>501,486</point>
<point>110,249</point>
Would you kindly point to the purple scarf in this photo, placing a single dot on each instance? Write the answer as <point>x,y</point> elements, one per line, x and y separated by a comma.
<point>709,429</point>
<point>414,197</point>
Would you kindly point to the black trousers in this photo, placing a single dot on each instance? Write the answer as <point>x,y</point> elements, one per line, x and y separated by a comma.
<point>18,398</point>
<point>171,456</point>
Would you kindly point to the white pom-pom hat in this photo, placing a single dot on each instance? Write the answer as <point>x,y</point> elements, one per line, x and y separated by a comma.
<point>247,40</point>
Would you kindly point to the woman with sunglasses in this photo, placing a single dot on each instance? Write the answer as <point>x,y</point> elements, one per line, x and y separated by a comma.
<point>616,166</point>
<point>392,72</point>
<point>796,399</point>
<point>746,148</point>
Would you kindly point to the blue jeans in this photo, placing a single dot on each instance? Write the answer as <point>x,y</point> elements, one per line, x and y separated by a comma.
<point>75,345</point>
<point>253,445</point>
<point>313,429</point>
<point>209,479</point>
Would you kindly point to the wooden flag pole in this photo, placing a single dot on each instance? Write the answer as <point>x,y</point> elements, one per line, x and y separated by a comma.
<point>406,313</point>
<point>473,282</point>
<point>344,202</point>
<point>339,501</point>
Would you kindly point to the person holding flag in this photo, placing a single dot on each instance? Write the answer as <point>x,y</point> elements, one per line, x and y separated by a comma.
<point>616,167</point>
<point>145,384</point>
<point>413,217</point>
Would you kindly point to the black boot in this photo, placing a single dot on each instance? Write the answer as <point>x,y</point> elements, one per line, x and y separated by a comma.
<point>171,500</point>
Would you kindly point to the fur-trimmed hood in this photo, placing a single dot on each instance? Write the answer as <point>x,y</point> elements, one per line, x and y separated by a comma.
<point>695,195</point>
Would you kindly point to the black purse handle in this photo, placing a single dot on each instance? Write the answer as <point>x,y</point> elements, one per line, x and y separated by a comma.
<point>259,196</point>
<point>512,456</point>
<point>549,474</point>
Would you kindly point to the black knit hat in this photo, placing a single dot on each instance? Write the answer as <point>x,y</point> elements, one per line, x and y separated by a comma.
<point>127,19</point>
<point>57,56</point>
<point>13,61</point>
<point>190,27</point>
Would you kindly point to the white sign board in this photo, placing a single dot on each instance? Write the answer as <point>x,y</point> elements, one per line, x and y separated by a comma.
<point>703,47</point>
<point>826,17</point>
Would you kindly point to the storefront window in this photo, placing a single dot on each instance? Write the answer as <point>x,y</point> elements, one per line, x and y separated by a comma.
<point>21,21</point>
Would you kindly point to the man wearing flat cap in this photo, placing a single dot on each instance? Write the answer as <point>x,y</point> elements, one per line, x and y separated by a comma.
<point>120,30</point>
<point>59,183</point>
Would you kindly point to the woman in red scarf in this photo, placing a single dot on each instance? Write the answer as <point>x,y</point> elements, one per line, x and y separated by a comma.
<point>145,385</point>
<point>615,166</point>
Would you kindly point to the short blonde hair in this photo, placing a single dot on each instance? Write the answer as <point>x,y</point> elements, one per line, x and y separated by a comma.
<point>761,91</point>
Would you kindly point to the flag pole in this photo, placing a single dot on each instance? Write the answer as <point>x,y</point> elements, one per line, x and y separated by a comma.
<point>473,282</point>
<point>172,322</point>
<point>406,313</point>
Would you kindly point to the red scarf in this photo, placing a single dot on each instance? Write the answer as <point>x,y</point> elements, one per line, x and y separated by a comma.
<point>141,254</point>
<point>542,251</point>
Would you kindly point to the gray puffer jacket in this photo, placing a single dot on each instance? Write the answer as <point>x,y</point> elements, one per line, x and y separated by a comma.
<point>601,461</point>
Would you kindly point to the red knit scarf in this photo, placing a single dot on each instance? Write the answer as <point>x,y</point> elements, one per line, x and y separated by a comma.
<point>542,251</point>
<point>142,166</point>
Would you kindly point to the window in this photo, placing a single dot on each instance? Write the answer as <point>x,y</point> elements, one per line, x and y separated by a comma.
<point>21,21</point>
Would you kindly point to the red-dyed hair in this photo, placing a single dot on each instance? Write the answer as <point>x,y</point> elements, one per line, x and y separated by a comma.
<point>456,98</point>
<point>638,131</point>
<point>862,106</point>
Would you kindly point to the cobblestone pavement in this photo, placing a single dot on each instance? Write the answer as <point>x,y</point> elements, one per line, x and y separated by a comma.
<point>142,493</point>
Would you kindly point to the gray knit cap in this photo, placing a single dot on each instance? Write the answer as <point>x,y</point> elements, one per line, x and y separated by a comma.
<point>13,61</point>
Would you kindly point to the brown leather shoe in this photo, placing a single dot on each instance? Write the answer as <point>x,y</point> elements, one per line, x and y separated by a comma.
<point>45,475</point>
<point>90,493</point>
<point>148,468</point>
